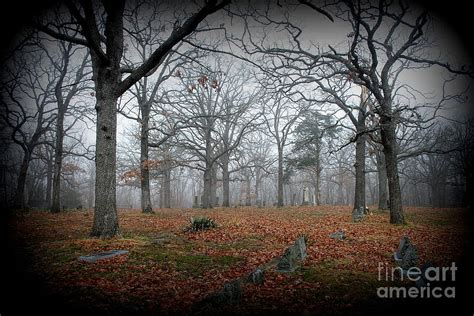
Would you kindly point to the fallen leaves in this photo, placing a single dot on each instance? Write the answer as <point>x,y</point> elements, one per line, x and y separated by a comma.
<point>171,276</point>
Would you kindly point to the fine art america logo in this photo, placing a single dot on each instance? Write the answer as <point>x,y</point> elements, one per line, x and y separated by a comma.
<point>423,279</point>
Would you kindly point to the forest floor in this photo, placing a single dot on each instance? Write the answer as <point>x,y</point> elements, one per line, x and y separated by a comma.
<point>169,269</point>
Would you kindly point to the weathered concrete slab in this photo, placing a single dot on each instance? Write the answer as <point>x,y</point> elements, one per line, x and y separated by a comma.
<point>102,255</point>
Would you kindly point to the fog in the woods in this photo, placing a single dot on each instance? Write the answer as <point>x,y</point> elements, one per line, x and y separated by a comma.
<point>257,105</point>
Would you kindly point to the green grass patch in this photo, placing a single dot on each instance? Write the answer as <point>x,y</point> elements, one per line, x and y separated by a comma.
<point>182,260</point>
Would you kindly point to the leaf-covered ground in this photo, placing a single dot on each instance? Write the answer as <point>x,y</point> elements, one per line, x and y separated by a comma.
<point>169,269</point>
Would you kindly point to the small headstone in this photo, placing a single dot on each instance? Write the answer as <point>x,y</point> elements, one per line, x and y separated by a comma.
<point>367,211</point>
<point>230,293</point>
<point>339,235</point>
<point>358,214</point>
<point>287,262</point>
<point>402,247</point>
<point>296,252</point>
<point>305,196</point>
<point>410,258</point>
<point>257,277</point>
<point>162,239</point>
<point>102,255</point>
<point>406,255</point>
<point>301,244</point>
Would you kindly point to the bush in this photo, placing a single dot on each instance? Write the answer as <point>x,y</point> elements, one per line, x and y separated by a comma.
<point>202,223</point>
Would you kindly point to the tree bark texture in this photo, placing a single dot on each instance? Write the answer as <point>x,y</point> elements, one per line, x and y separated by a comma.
<point>382,181</point>
<point>397,215</point>
<point>144,163</point>
<point>280,178</point>
<point>359,198</point>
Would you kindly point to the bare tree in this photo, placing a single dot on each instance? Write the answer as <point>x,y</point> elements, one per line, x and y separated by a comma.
<point>384,40</point>
<point>100,28</point>
<point>27,112</point>
<point>281,114</point>
<point>70,82</point>
<point>217,106</point>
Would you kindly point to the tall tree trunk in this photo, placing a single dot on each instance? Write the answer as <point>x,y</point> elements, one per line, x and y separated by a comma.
<point>144,163</point>
<point>280,178</point>
<point>58,161</point>
<point>382,183</point>
<point>206,203</point>
<point>257,184</point>
<point>317,188</point>
<point>359,197</point>
<point>49,181</point>
<point>105,216</point>
<point>166,188</point>
<point>248,198</point>
<point>225,181</point>
<point>107,79</point>
<point>340,185</point>
<point>208,172</point>
<point>213,195</point>
<point>19,198</point>
<point>397,215</point>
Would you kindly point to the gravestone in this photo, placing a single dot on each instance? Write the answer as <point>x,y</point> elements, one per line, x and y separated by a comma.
<point>339,235</point>
<point>402,247</point>
<point>259,203</point>
<point>102,255</point>
<point>358,214</point>
<point>256,277</point>
<point>231,293</point>
<point>410,258</point>
<point>305,196</point>
<point>293,199</point>
<point>406,255</point>
<point>422,281</point>
<point>296,252</point>
<point>163,239</point>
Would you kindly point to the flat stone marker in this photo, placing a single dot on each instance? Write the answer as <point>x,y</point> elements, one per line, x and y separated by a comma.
<point>339,235</point>
<point>102,255</point>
